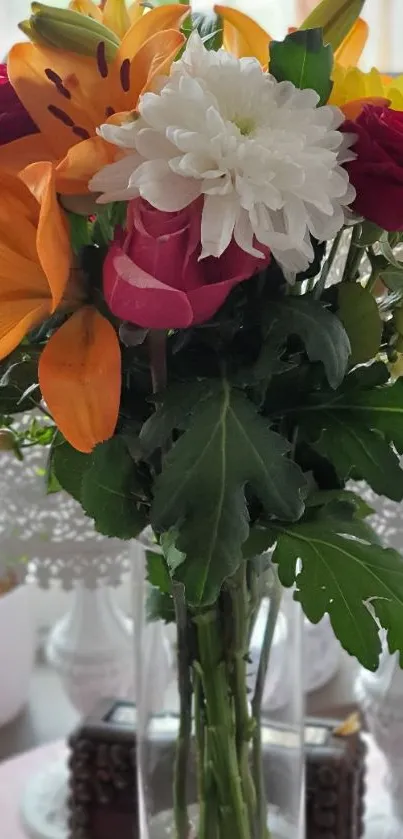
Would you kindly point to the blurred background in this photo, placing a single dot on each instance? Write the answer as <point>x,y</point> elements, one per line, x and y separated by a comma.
<point>385,17</point>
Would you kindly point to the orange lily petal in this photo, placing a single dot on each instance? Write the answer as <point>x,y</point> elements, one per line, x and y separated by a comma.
<point>20,153</point>
<point>161,18</point>
<point>80,378</point>
<point>17,317</point>
<point>154,58</point>
<point>350,50</point>
<point>64,118</point>
<point>352,110</point>
<point>243,36</point>
<point>19,214</point>
<point>52,237</point>
<point>116,17</point>
<point>86,7</point>
<point>52,241</point>
<point>81,163</point>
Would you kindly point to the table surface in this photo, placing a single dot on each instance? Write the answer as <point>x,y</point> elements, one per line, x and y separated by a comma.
<point>15,773</point>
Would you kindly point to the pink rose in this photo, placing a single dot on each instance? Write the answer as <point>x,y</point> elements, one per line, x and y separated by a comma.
<point>15,121</point>
<point>153,276</point>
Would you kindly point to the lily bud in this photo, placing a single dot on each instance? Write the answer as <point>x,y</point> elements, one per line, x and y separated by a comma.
<point>336,18</point>
<point>69,30</point>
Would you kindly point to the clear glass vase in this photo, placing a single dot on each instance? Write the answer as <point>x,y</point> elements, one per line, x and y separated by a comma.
<point>220,730</point>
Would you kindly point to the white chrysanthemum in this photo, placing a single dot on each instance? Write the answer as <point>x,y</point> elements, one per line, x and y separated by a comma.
<point>266,159</point>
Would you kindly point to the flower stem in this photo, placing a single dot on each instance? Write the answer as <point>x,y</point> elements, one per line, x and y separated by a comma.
<point>228,805</point>
<point>181,769</point>
<point>262,831</point>
<point>157,339</point>
<point>238,603</point>
<point>321,284</point>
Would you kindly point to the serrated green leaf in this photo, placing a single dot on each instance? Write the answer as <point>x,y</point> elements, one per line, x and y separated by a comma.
<point>201,488</point>
<point>110,491</point>
<point>380,408</point>
<point>157,572</point>
<point>341,575</point>
<point>321,331</point>
<point>171,414</point>
<point>321,498</point>
<point>68,466</point>
<point>353,447</point>
<point>335,17</point>
<point>359,314</point>
<point>303,59</point>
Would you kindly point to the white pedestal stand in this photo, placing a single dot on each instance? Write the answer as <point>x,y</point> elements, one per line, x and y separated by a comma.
<point>91,648</point>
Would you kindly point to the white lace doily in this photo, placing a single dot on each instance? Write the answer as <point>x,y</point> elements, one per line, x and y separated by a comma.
<point>48,536</point>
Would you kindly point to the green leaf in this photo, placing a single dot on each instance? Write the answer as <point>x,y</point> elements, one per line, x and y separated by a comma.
<point>322,498</point>
<point>201,488</point>
<point>159,606</point>
<point>341,575</point>
<point>19,390</point>
<point>303,59</point>
<point>321,331</point>
<point>359,314</point>
<point>80,232</point>
<point>171,414</point>
<point>353,447</point>
<point>335,17</point>
<point>370,234</point>
<point>173,557</point>
<point>380,408</point>
<point>68,466</point>
<point>157,572</point>
<point>392,277</point>
<point>111,492</point>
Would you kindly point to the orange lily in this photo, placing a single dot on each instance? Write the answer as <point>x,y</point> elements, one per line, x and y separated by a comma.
<point>114,13</point>
<point>70,95</point>
<point>36,267</point>
<point>244,37</point>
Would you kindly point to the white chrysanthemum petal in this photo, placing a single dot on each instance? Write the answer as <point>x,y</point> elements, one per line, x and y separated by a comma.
<point>115,176</point>
<point>152,145</point>
<point>243,234</point>
<point>265,157</point>
<point>123,135</point>
<point>164,190</point>
<point>218,221</point>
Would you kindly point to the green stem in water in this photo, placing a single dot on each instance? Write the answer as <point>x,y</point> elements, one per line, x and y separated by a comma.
<point>262,831</point>
<point>228,804</point>
<point>181,769</point>
<point>236,655</point>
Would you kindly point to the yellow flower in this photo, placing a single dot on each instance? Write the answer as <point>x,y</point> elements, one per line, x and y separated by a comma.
<point>351,85</point>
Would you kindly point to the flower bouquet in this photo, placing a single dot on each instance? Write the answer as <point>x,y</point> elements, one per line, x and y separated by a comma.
<point>201,301</point>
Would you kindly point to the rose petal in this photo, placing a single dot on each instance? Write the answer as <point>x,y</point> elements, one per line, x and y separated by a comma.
<point>137,297</point>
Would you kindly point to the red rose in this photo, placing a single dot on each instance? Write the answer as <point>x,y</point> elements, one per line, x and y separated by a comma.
<point>15,121</point>
<point>153,276</point>
<point>377,172</point>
